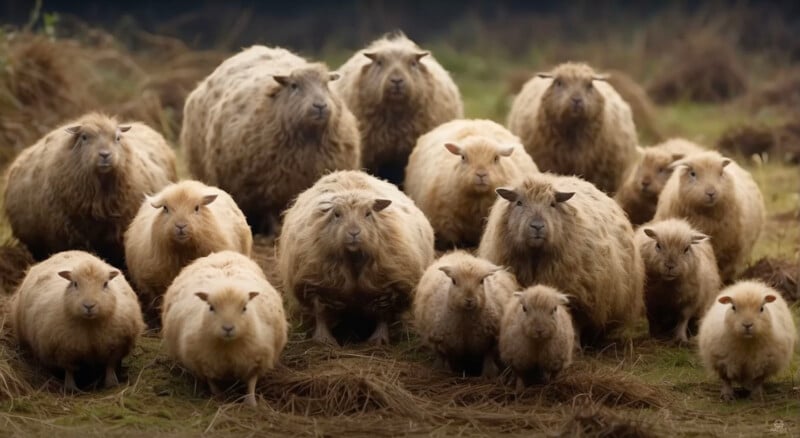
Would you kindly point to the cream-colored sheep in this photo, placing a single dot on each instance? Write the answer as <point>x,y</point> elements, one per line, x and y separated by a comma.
<point>457,309</point>
<point>224,321</point>
<point>73,309</point>
<point>564,232</point>
<point>720,199</point>
<point>572,122</point>
<point>264,126</point>
<point>682,279</point>
<point>398,92</point>
<point>353,243</point>
<point>747,336</point>
<point>80,186</point>
<point>536,335</point>
<point>453,172</point>
<point>638,194</point>
<point>182,222</point>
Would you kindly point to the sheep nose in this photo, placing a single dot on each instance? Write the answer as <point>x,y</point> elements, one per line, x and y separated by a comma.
<point>181,226</point>
<point>354,231</point>
<point>537,225</point>
<point>669,266</point>
<point>711,193</point>
<point>89,307</point>
<point>396,80</point>
<point>747,325</point>
<point>104,154</point>
<point>227,328</point>
<point>320,105</point>
<point>577,100</point>
<point>481,173</point>
<point>646,183</point>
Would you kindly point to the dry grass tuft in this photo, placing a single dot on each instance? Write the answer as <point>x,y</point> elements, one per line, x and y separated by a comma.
<point>14,262</point>
<point>590,420</point>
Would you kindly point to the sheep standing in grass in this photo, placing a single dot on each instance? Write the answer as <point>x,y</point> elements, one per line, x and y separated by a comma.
<point>264,126</point>
<point>398,92</point>
<point>182,222</point>
<point>572,122</point>
<point>453,171</point>
<point>457,309</point>
<point>80,186</point>
<point>681,275</point>
<point>72,310</point>
<point>224,321</point>
<point>720,199</point>
<point>353,244</point>
<point>564,232</point>
<point>536,335</point>
<point>638,194</point>
<point>747,336</point>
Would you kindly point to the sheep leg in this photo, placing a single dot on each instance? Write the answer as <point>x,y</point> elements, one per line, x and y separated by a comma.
<point>250,398</point>
<point>322,333</point>
<point>520,384</point>
<point>490,369</point>
<point>216,391</point>
<point>757,390</point>
<point>381,334</point>
<point>111,375</point>
<point>69,381</point>
<point>682,329</point>
<point>726,393</point>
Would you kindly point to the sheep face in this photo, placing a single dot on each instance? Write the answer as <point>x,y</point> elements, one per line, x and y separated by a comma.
<point>467,285</point>
<point>182,216</point>
<point>226,317</point>
<point>538,311</point>
<point>88,295</point>
<point>703,180</point>
<point>351,222</point>
<point>304,97</point>
<point>533,217</point>
<point>572,97</point>
<point>98,146</point>
<point>653,172</point>
<point>749,314</point>
<point>395,76</point>
<point>479,168</point>
<point>671,254</point>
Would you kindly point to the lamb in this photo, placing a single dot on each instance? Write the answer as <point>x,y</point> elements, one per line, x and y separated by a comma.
<point>182,222</point>
<point>682,279</point>
<point>453,171</point>
<point>720,199</point>
<point>224,321</point>
<point>638,194</point>
<point>536,335</point>
<point>80,186</point>
<point>572,122</point>
<point>353,245</point>
<point>264,126</point>
<point>73,309</point>
<point>747,336</point>
<point>457,309</point>
<point>398,92</point>
<point>564,232</point>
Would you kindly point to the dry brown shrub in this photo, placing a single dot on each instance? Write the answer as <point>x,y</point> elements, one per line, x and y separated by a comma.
<point>783,92</point>
<point>783,275</point>
<point>746,140</point>
<point>14,262</point>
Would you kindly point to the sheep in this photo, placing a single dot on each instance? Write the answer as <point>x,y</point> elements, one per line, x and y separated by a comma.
<point>564,232</point>
<point>747,336</point>
<point>638,194</point>
<point>720,199</point>
<point>453,171</point>
<point>182,222</point>
<point>572,122</point>
<point>73,309</point>
<point>398,92</point>
<point>681,275</point>
<point>457,309</point>
<point>537,338</point>
<point>224,321</point>
<point>80,186</point>
<point>264,126</point>
<point>353,244</point>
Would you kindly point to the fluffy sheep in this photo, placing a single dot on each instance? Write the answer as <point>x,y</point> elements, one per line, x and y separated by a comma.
<point>264,126</point>
<point>747,336</point>
<point>564,232</point>
<point>398,92</point>
<point>536,335</point>
<point>80,186</point>
<point>224,321</point>
<point>681,275</point>
<point>182,222</point>
<point>572,122</point>
<point>457,309</point>
<point>638,194</point>
<point>453,171</point>
<point>720,199</point>
<point>73,310</point>
<point>353,245</point>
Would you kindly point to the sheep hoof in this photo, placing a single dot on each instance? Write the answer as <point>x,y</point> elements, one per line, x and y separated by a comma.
<point>726,394</point>
<point>381,335</point>
<point>325,338</point>
<point>520,385</point>
<point>69,383</point>
<point>250,400</point>
<point>757,393</point>
<point>111,378</point>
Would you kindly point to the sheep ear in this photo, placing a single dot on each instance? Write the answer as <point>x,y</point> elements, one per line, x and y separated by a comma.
<point>371,55</point>
<point>769,298</point>
<point>73,130</point>
<point>725,299</point>
<point>448,271</point>
<point>518,294</point>
<point>66,275</point>
<point>282,80</point>
<point>207,199</point>
<point>564,196</point>
<point>506,151</point>
<point>156,204</point>
<point>454,148</point>
<point>544,75</point>
<point>202,295</point>
<point>509,195</point>
<point>639,150</point>
<point>600,77</point>
<point>252,295</point>
<point>564,299</point>
<point>420,55</point>
<point>697,238</point>
<point>677,156</point>
<point>725,162</point>
<point>676,164</point>
<point>381,204</point>
<point>124,128</point>
<point>325,206</point>
<point>333,76</point>
<point>650,233</point>
<point>112,274</point>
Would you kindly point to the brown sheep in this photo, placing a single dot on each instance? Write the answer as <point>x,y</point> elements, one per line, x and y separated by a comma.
<point>563,232</point>
<point>397,92</point>
<point>720,199</point>
<point>353,244</point>
<point>572,122</point>
<point>73,309</point>
<point>182,222</point>
<point>264,126</point>
<point>453,171</point>
<point>638,194</point>
<point>80,186</point>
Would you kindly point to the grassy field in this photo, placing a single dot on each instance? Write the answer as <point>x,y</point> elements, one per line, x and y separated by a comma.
<point>632,387</point>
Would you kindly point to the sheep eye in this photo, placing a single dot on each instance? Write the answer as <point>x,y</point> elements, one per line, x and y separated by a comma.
<point>693,174</point>
<point>658,246</point>
<point>496,158</point>
<point>519,203</point>
<point>555,309</point>
<point>211,308</point>
<point>454,281</point>
<point>733,308</point>
<point>166,209</point>
<point>686,251</point>
<point>196,208</point>
<point>379,63</point>
<point>558,83</point>
<point>762,309</point>
<point>524,308</point>
<point>413,64</point>
<point>553,204</point>
<point>105,285</point>
<point>84,137</point>
<point>336,214</point>
<point>295,86</point>
<point>662,169</point>
<point>74,284</point>
<point>464,158</point>
<point>369,213</point>
<point>117,138</point>
<point>244,309</point>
